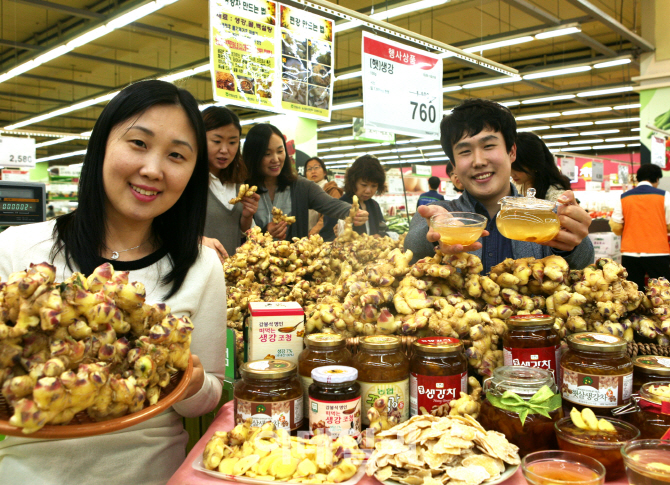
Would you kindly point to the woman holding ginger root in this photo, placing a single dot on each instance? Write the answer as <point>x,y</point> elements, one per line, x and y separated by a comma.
<point>141,209</point>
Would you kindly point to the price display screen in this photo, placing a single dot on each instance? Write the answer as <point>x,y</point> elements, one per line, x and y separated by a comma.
<point>21,203</point>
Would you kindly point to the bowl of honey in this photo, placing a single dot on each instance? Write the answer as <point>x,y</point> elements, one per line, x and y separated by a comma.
<point>562,468</point>
<point>603,445</point>
<point>458,227</point>
<point>647,462</point>
<point>528,219</point>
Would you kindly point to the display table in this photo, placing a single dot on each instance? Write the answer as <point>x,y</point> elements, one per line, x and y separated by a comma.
<point>224,422</point>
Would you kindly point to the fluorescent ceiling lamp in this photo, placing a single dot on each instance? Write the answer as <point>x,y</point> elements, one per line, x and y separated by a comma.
<point>449,89</point>
<point>633,145</point>
<point>439,159</point>
<point>349,75</point>
<point>570,125</point>
<point>602,92</point>
<point>586,110</point>
<point>432,154</point>
<point>402,150</point>
<point>493,82</point>
<point>322,150</point>
<point>184,74</point>
<point>327,140</point>
<point>392,12</point>
<point>353,104</point>
<point>388,157</point>
<point>616,62</point>
<point>618,120</point>
<point>557,144</point>
<point>501,43</point>
<point>559,135</point>
<point>417,155</point>
<point>62,155</point>
<point>326,157</point>
<point>432,147</point>
<point>262,119</point>
<point>548,99</point>
<point>379,152</point>
<point>580,148</point>
<point>598,132</point>
<point>87,37</point>
<point>557,72</point>
<point>334,127</point>
<point>56,141</point>
<point>623,138</point>
<point>510,103</point>
<point>586,142</point>
<point>558,32</point>
<point>598,147</point>
<point>533,128</point>
<point>538,116</point>
<point>634,129</point>
<point>62,111</point>
<point>628,106</point>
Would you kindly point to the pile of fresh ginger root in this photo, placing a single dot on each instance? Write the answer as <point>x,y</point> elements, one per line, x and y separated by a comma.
<point>279,216</point>
<point>87,344</point>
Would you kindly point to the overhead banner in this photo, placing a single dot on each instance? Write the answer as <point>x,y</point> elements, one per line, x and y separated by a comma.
<point>402,88</point>
<point>249,68</point>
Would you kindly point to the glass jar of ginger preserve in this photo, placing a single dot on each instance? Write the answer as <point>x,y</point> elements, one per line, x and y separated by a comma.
<point>383,371</point>
<point>335,401</point>
<point>438,373</point>
<point>650,368</point>
<point>532,341</point>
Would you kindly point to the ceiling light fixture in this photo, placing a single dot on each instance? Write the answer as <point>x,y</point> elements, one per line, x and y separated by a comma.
<point>602,92</point>
<point>116,23</point>
<point>634,129</point>
<point>493,82</point>
<point>633,145</point>
<point>62,155</point>
<point>557,72</point>
<point>557,144</point>
<point>501,43</point>
<point>628,106</point>
<point>598,132</point>
<point>586,110</point>
<point>56,141</point>
<point>390,13</point>
<point>571,125</point>
<point>549,99</point>
<point>618,120</point>
<point>449,89</point>
<point>353,104</point>
<point>558,32</point>
<point>349,75</point>
<point>586,142</point>
<point>509,103</point>
<point>559,135</point>
<point>618,145</point>
<point>538,116</point>
<point>533,128</point>
<point>623,138</point>
<point>334,127</point>
<point>616,62</point>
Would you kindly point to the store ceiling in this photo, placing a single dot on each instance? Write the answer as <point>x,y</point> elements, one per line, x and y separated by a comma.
<point>175,38</point>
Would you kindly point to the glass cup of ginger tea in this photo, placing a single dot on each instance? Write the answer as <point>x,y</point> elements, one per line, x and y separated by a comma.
<point>528,219</point>
<point>458,227</point>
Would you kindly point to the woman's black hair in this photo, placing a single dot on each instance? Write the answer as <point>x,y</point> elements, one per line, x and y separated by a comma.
<point>534,158</point>
<point>216,117</point>
<point>255,146</point>
<point>323,166</point>
<point>81,234</point>
<point>368,169</point>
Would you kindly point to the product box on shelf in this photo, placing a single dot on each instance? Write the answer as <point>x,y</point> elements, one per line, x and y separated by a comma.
<point>606,242</point>
<point>276,331</point>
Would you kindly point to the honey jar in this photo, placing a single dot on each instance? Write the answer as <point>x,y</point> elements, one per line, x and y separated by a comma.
<point>596,373</point>
<point>652,413</point>
<point>438,373</point>
<point>649,368</point>
<point>335,401</point>
<point>383,371</point>
<point>269,391</point>
<point>536,433</point>
<point>527,218</point>
<point>532,341</point>
<point>321,349</point>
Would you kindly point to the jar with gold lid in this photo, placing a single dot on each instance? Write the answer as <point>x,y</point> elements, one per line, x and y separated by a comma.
<point>532,341</point>
<point>320,349</point>
<point>438,373</point>
<point>596,373</point>
<point>335,401</point>
<point>383,371</point>
<point>269,391</point>
<point>650,368</point>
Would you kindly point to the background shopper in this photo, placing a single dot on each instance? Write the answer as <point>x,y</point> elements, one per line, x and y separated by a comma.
<point>315,170</point>
<point>432,195</point>
<point>265,155</point>
<point>226,222</point>
<point>642,219</point>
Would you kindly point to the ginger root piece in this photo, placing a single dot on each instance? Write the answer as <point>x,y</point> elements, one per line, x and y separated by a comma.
<point>278,216</point>
<point>245,191</point>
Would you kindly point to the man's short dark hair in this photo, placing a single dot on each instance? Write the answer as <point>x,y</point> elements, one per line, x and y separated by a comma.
<point>649,173</point>
<point>434,182</point>
<point>471,117</point>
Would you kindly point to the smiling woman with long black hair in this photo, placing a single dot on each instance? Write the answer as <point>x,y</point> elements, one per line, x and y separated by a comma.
<point>142,200</point>
<point>271,171</point>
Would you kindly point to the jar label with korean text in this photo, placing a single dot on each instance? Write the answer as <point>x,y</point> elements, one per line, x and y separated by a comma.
<point>396,392</point>
<point>283,414</point>
<point>542,357</point>
<point>428,392</point>
<point>596,391</point>
<point>335,417</point>
<point>305,382</point>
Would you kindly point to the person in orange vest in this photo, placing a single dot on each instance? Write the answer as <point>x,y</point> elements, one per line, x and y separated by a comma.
<point>642,218</point>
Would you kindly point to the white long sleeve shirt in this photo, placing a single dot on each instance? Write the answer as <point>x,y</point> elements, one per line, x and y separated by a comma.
<point>150,452</point>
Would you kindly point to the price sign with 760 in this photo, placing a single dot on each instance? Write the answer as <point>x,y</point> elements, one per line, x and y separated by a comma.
<point>424,111</point>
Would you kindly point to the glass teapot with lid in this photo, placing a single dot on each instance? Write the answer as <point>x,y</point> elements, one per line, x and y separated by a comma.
<point>527,218</point>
